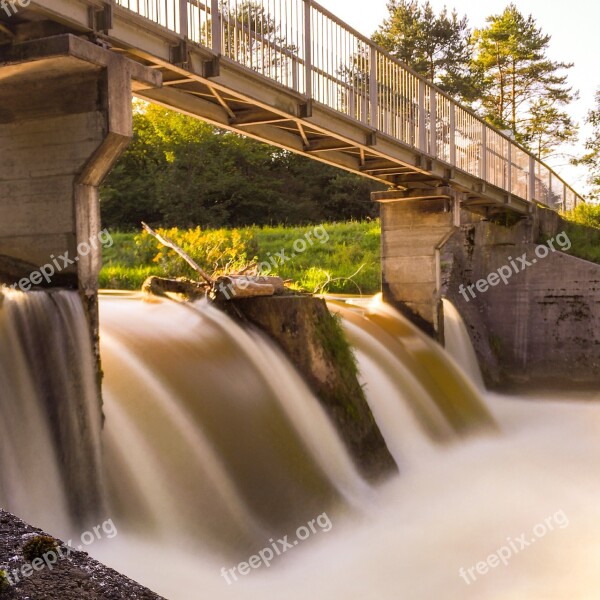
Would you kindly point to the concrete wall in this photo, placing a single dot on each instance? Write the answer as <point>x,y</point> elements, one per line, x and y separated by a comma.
<point>65,118</point>
<point>49,129</point>
<point>543,326</point>
<point>411,232</point>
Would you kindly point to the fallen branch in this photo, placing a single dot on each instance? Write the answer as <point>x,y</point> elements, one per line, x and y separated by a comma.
<point>159,286</point>
<point>188,259</point>
<point>243,286</point>
<point>225,288</point>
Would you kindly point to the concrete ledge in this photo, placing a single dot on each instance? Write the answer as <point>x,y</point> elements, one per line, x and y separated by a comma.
<point>25,56</point>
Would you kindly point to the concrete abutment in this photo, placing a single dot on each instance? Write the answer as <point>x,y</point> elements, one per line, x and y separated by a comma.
<point>412,233</point>
<point>65,118</point>
<point>541,327</point>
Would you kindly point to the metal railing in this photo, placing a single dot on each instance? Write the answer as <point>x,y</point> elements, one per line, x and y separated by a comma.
<point>305,48</point>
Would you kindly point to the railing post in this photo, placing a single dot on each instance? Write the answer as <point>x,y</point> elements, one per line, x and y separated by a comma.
<point>531,186</point>
<point>373,88</point>
<point>452,134</point>
<point>484,157</point>
<point>433,122</point>
<point>308,47</point>
<point>216,29</point>
<point>422,117</point>
<point>183,18</point>
<point>508,183</point>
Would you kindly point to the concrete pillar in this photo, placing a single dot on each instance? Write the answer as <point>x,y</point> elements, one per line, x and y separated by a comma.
<point>65,118</point>
<point>413,228</point>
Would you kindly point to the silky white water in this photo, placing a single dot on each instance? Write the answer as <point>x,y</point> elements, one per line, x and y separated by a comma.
<point>213,446</point>
<point>458,345</point>
<point>50,423</point>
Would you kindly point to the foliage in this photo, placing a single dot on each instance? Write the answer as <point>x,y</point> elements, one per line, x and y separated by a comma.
<point>523,90</point>
<point>585,214</point>
<point>4,582</point>
<point>247,27</point>
<point>435,46</point>
<point>182,172</point>
<point>592,145</point>
<point>38,546</point>
<point>583,229</point>
<point>321,267</point>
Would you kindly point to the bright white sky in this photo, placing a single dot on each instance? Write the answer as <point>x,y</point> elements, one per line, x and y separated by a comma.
<point>574,26</point>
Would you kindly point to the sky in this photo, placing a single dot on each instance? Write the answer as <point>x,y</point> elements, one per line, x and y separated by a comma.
<point>573,26</point>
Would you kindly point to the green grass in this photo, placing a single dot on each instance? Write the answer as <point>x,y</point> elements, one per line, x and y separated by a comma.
<point>583,229</point>
<point>333,253</point>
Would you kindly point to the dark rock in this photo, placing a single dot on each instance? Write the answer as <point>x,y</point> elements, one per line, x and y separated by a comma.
<point>74,577</point>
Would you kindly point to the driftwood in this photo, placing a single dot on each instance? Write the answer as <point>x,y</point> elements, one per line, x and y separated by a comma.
<point>245,286</point>
<point>188,259</point>
<point>223,288</point>
<point>159,286</point>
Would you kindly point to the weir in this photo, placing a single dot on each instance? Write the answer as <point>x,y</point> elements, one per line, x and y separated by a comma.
<point>210,443</point>
<point>68,69</point>
<point>211,438</point>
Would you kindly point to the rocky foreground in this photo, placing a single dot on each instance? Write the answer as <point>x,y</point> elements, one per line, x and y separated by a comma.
<point>73,576</point>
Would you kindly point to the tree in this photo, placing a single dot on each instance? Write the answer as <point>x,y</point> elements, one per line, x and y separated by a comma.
<point>524,91</point>
<point>253,37</point>
<point>181,172</point>
<point>592,145</point>
<point>437,47</point>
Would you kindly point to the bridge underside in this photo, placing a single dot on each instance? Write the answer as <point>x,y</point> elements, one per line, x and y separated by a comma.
<point>226,94</point>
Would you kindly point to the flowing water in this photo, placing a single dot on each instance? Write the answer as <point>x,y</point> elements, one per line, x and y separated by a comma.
<point>50,416</point>
<point>213,446</point>
<point>458,344</point>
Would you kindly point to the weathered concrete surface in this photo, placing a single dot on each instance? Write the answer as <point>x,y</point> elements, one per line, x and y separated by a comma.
<point>306,331</point>
<point>543,327</point>
<point>76,577</point>
<point>65,118</point>
<point>411,234</point>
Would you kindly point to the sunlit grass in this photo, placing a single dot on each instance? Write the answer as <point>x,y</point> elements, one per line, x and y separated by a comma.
<point>333,257</point>
<point>583,229</point>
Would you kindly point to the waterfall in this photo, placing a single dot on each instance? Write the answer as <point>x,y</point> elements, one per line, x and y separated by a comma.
<point>51,418</point>
<point>212,444</point>
<point>424,380</point>
<point>458,343</point>
<point>188,391</point>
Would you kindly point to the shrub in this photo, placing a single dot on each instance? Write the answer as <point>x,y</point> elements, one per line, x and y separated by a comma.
<point>583,229</point>
<point>585,214</point>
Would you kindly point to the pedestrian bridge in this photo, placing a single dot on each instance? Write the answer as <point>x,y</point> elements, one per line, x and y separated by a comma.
<point>286,72</point>
<point>290,73</point>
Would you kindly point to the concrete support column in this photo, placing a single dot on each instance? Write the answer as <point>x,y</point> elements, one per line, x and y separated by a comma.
<point>412,231</point>
<point>65,118</point>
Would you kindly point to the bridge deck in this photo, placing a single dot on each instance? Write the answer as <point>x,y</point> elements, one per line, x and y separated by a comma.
<point>289,73</point>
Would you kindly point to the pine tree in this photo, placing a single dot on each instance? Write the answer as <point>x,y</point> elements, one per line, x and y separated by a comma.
<point>435,46</point>
<point>524,91</point>
<point>592,145</point>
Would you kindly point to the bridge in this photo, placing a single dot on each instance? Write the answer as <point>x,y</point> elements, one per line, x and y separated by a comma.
<point>290,73</point>
<point>286,72</point>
